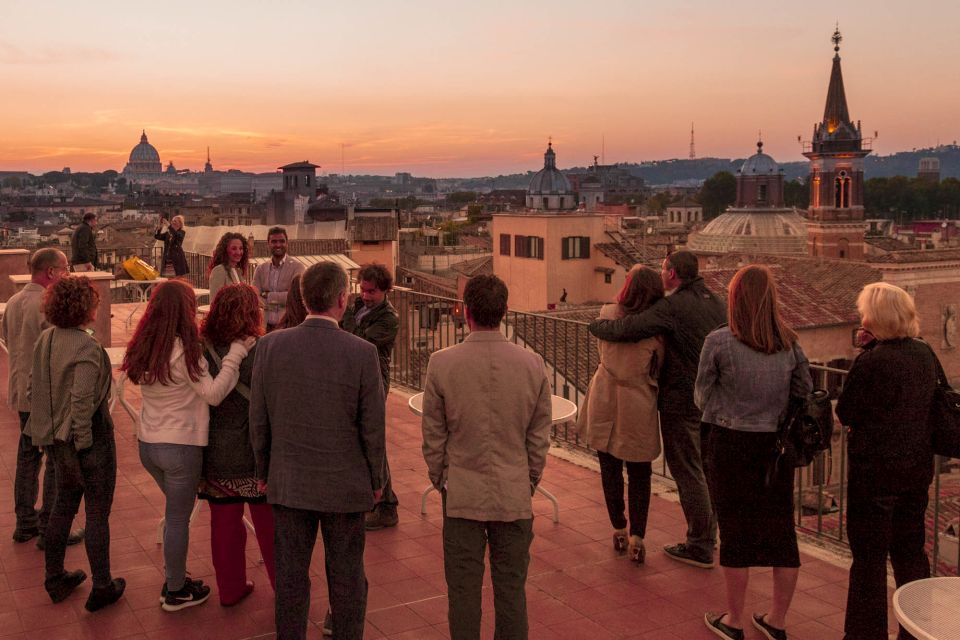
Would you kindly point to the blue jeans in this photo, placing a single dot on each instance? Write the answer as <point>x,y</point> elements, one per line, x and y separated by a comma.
<point>26,485</point>
<point>176,468</point>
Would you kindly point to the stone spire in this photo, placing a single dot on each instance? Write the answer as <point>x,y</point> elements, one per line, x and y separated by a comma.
<point>835,113</point>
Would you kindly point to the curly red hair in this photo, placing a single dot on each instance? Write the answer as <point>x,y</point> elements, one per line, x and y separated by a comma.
<point>234,315</point>
<point>171,314</point>
<point>70,302</point>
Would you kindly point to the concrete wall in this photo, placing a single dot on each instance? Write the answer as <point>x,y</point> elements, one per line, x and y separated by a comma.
<point>12,262</point>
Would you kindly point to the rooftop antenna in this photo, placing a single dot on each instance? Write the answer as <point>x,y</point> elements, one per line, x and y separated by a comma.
<point>693,149</point>
<point>603,148</point>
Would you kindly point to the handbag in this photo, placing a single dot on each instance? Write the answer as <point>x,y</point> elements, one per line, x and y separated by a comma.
<point>944,417</point>
<point>807,427</point>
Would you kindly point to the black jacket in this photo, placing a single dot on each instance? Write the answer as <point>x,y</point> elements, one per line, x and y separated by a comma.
<point>885,402</point>
<point>684,319</point>
<point>83,247</point>
<point>379,326</point>
<point>173,250</point>
<point>229,454</point>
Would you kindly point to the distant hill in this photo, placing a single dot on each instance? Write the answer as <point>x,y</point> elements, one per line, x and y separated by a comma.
<point>904,163</point>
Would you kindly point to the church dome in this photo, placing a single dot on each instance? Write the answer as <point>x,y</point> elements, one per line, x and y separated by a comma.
<point>759,163</point>
<point>549,180</point>
<point>778,231</point>
<point>144,160</point>
<point>144,152</point>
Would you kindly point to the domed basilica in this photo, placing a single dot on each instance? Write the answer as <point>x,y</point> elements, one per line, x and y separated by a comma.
<point>144,161</point>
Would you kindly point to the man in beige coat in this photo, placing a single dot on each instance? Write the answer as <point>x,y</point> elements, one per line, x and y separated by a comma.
<point>22,324</point>
<point>486,431</point>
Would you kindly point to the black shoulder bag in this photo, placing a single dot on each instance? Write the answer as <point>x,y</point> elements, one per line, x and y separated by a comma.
<point>807,426</point>
<point>944,418</point>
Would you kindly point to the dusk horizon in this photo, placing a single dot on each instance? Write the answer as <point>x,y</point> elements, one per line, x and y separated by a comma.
<point>441,91</point>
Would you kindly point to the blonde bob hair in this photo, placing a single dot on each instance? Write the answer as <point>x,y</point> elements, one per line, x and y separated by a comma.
<point>888,312</point>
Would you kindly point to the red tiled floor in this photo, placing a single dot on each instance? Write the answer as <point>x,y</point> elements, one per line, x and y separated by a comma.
<point>577,586</point>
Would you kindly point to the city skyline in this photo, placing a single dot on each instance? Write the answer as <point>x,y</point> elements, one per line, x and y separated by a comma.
<point>449,91</point>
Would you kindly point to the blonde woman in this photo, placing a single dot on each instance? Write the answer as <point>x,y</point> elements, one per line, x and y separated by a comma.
<point>173,264</point>
<point>885,402</point>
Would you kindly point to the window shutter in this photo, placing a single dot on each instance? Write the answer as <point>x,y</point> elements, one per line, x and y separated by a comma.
<point>585,247</point>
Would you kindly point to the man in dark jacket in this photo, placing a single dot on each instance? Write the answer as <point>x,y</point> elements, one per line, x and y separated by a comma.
<point>83,246</point>
<point>684,317</point>
<point>371,316</point>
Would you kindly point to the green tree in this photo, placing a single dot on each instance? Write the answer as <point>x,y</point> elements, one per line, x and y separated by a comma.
<point>717,193</point>
<point>459,198</point>
<point>796,194</point>
<point>657,203</point>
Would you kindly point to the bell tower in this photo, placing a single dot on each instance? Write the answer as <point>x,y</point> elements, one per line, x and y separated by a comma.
<point>835,228</point>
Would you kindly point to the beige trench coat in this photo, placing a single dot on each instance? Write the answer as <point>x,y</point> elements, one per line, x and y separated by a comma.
<point>619,413</point>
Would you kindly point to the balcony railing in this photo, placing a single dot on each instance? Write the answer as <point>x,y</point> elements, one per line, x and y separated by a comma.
<point>429,323</point>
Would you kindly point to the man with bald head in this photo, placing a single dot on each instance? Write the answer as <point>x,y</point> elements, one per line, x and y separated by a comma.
<point>22,324</point>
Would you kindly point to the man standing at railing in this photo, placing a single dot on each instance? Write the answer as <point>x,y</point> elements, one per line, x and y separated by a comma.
<point>486,432</point>
<point>83,245</point>
<point>272,279</point>
<point>371,316</point>
<point>684,317</point>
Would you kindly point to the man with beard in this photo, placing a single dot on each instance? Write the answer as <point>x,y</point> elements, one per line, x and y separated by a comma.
<point>272,279</point>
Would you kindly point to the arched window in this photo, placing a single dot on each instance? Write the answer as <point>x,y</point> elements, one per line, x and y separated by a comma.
<point>842,191</point>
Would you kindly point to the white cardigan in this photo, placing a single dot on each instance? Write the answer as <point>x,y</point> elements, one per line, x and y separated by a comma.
<point>179,411</point>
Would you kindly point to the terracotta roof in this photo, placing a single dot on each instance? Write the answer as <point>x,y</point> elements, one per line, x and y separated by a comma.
<point>426,282</point>
<point>304,247</point>
<point>628,254</point>
<point>374,228</point>
<point>474,267</point>
<point>887,244</point>
<point>914,256</point>
<point>837,282</point>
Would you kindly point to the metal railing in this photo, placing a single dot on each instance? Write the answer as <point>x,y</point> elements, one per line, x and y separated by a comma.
<point>429,323</point>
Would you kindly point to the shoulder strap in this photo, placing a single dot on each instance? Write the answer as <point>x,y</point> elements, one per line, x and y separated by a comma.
<point>241,388</point>
<point>941,374</point>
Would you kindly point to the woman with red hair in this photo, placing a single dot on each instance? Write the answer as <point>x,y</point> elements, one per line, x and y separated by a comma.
<point>229,479</point>
<point>70,418</point>
<point>165,357</point>
<point>748,372</point>
<point>619,414</point>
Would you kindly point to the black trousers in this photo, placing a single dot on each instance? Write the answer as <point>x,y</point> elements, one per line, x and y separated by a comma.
<point>885,515</point>
<point>26,486</point>
<point>464,545</point>
<point>343,540</point>
<point>90,474</point>
<point>638,492</point>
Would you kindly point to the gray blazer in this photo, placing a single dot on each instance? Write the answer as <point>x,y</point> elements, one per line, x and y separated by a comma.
<point>317,418</point>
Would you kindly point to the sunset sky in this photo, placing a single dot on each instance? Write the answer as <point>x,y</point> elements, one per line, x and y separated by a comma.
<point>454,88</point>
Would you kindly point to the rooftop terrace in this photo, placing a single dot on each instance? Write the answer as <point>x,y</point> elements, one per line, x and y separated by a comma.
<point>578,587</point>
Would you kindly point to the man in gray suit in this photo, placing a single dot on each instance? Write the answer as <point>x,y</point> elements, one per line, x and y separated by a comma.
<point>317,429</point>
<point>486,431</point>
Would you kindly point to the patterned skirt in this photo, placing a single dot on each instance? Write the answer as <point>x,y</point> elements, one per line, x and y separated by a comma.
<point>230,490</point>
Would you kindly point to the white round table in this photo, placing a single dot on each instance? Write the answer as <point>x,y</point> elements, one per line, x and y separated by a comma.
<point>562,410</point>
<point>930,608</point>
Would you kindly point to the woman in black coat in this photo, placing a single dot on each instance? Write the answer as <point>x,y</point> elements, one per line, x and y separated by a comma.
<point>885,402</point>
<point>174,262</point>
